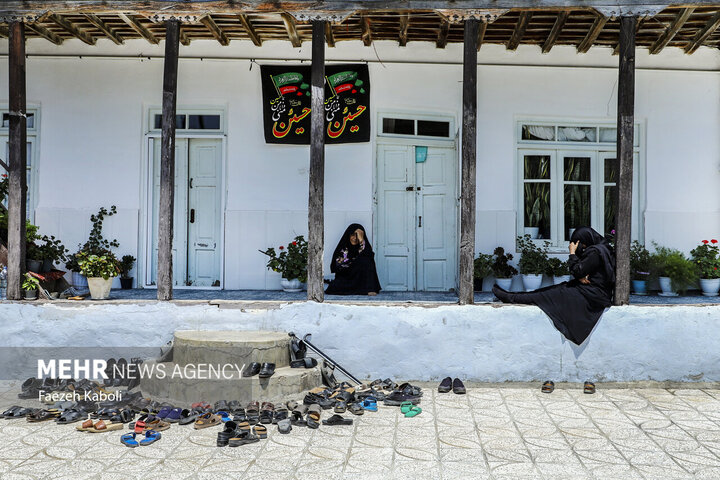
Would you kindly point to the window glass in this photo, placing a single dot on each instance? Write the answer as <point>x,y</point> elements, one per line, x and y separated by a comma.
<point>399,126</point>
<point>179,122</point>
<point>204,122</point>
<point>577,169</point>
<point>538,132</point>
<point>30,120</point>
<point>537,167</point>
<point>576,134</point>
<point>608,135</point>
<point>577,208</point>
<point>610,170</point>
<point>610,208</point>
<point>433,129</point>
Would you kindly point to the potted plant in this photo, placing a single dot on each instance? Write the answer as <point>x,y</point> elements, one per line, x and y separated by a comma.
<point>291,262</point>
<point>558,270</point>
<point>99,271</point>
<point>95,245</point>
<point>51,251</point>
<point>675,272</point>
<point>707,263</point>
<point>533,262</point>
<point>482,268</point>
<point>31,285</point>
<point>501,268</point>
<point>640,267</point>
<point>126,264</point>
<point>33,259</point>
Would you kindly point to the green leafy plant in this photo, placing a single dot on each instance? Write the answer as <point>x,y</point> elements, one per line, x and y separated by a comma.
<point>533,258</point>
<point>483,266</point>
<point>52,249</point>
<point>669,262</point>
<point>501,267</point>
<point>556,268</point>
<point>706,260</point>
<point>640,261</point>
<point>126,264</point>
<point>96,243</point>
<point>292,260</point>
<point>30,283</point>
<point>537,194</point>
<point>105,266</point>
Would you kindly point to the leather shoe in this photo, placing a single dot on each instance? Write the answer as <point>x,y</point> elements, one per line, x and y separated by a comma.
<point>458,386</point>
<point>445,386</point>
<point>251,370</point>
<point>267,370</point>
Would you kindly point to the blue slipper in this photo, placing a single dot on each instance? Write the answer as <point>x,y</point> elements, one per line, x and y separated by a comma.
<point>224,416</point>
<point>129,440</point>
<point>370,404</point>
<point>151,436</point>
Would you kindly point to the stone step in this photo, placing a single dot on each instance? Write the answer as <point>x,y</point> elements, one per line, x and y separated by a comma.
<point>192,347</point>
<point>186,383</point>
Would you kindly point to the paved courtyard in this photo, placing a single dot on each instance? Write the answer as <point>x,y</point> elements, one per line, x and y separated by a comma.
<point>493,432</point>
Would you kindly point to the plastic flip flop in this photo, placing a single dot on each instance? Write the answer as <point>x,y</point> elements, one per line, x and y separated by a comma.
<point>413,411</point>
<point>370,404</point>
<point>129,440</point>
<point>405,407</point>
<point>151,436</point>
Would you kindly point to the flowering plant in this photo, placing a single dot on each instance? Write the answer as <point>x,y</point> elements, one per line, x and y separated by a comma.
<point>291,263</point>
<point>706,259</point>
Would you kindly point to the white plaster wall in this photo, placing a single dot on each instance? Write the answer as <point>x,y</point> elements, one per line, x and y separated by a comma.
<point>91,147</point>
<point>481,342</point>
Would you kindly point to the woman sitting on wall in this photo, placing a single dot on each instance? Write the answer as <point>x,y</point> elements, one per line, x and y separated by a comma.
<point>353,263</point>
<point>576,306</point>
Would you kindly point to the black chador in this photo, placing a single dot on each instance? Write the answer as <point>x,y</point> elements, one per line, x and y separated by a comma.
<point>353,263</point>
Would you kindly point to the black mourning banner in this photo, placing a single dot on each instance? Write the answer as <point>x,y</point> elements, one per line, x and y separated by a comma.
<point>286,103</point>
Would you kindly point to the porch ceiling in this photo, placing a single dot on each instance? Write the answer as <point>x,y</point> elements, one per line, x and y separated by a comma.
<point>686,27</point>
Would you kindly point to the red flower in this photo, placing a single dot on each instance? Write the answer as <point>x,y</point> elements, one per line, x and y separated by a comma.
<point>705,242</point>
<point>713,240</point>
<point>4,175</point>
<point>281,247</point>
<point>294,243</point>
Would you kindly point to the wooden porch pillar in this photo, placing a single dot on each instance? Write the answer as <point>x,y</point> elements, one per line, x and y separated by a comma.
<point>625,131</point>
<point>316,200</point>
<point>469,140</point>
<point>17,180</point>
<point>167,163</point>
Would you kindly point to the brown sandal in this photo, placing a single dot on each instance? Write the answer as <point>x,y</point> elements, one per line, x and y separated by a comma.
<point>589,388</point>
<point>207,420</point>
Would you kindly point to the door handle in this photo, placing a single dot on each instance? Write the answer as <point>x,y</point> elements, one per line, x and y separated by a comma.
<point>420,221</point>
<point>410,188</point>
<point>190,185</point>
<point>192,215</point>
<point>202,244</point>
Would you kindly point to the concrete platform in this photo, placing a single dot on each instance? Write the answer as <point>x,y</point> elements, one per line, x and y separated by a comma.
<point>207,365</point>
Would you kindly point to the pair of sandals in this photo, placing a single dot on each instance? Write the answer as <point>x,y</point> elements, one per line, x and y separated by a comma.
<point>410,410</point>
<point>549,387</point>
<point>99,426</point>
<point>237,434</point>
<point>130,439</point>
<point>149,422</point>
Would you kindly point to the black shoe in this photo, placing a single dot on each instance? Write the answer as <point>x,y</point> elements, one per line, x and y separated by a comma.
<point>458,387</point>
<point>446,385</point>
<point>251,370</point>
<point>502,294</point>
<point>267,370</point>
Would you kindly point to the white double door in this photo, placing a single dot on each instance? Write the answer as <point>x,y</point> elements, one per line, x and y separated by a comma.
<point>197,219</point>
<point>416,218</point>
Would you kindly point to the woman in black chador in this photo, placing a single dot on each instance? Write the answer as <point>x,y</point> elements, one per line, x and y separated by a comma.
<point>576,306</point>
<point>353,263</point>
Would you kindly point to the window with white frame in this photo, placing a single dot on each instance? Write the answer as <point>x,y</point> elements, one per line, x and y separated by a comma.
<point>419,126</point>
<point>206,121</point>
<point>32,132</point>
<point>567,174</point>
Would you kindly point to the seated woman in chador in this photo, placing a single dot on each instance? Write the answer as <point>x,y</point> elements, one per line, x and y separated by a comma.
<point>353,263</point>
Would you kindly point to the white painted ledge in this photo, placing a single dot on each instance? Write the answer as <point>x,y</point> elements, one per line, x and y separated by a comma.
<point>481,342</point>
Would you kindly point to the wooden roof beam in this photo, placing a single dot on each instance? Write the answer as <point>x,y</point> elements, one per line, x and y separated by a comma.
<point>703,34</point>
<point>672,30</point>
<point>184,39</point>
<point>366,31</point>
<point>72,29</point>
<point>250,29</point>
<point>555,32</point>
<point>139,28</point>
<point>442,38</point>
<point>638,26</point>
<point>482,28</point>
<point>520,28</point>
<point>103,27</point>
<point>289,22</point>
<point>45,33</point>
<point>404,25</point>
<point>593,34</point>
<point>216,31</point>
<point>329,37</point>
